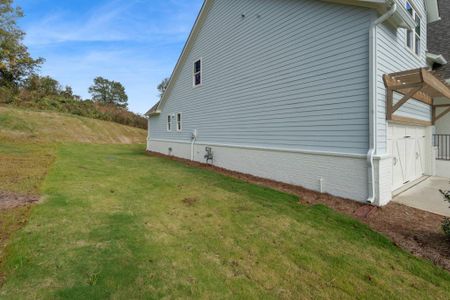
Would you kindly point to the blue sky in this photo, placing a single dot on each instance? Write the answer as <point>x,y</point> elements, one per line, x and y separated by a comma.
<point>136,42</point>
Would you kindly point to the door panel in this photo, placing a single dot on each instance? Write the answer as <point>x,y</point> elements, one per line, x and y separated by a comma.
<point>410,156</point>
<point>407,146</point>
<point>399,151</point>
<point>420,152</point>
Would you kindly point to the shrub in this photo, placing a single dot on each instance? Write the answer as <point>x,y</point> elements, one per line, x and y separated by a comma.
<point>446,222</point>
<point>446,227</point>
<point>65,103</point>
<point>6,95</point>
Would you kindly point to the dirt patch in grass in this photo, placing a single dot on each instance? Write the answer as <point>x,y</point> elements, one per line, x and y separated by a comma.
<point>419,232</point>
<point>10,200</point>
<point>190,201</point>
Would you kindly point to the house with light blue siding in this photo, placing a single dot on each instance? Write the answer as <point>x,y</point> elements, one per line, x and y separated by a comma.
<point>335,96</point>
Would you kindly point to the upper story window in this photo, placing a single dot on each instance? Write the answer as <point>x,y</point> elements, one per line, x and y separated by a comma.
<point>179,122</point>
<point>197,78</point>
<point>413,37</point>
<point>169,123</point>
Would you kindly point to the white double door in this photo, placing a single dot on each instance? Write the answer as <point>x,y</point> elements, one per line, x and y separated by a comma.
<point>407,146</point>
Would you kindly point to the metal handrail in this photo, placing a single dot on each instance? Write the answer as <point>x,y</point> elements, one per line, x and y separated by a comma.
<point>442,143</point>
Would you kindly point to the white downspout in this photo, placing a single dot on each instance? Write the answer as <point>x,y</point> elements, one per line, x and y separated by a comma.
<point>373,70</point>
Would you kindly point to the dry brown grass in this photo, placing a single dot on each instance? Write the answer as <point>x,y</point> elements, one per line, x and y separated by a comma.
<point>25,126</point>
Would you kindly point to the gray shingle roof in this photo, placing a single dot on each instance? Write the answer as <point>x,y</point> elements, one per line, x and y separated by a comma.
<point>153,109</point>
<point>439,38</point>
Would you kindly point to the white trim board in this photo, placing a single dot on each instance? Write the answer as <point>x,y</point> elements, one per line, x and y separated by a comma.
<point>261,148</point>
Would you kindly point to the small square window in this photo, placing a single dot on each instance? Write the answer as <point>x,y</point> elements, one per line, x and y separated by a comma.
<point>197,78</point>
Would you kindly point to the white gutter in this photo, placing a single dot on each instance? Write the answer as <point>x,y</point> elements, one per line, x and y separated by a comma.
<point>373,70</point>
<point>436,58</point>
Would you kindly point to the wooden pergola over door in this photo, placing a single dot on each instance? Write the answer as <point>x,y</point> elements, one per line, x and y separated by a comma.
<point>418,84</point>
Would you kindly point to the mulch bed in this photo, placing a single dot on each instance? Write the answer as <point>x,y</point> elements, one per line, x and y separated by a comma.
<point>10,200</point>
<point>419,232</point>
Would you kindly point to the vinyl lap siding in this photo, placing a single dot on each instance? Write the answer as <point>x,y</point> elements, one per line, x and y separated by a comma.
<point>395,56</point>
<point>291,74</point>
<point>413,109</point>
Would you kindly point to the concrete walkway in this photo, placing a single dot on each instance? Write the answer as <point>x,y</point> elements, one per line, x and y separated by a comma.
<point>426,196</point>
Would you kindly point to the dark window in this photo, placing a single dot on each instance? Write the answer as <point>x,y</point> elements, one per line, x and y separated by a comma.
<point>413,37</point>
<point>169,123</point>
<point>179,122</point>
<point>198,73</point>
<point>409,8</point>
<point>198,66</point>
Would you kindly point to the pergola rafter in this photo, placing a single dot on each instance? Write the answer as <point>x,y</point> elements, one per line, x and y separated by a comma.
<point>418,84</point>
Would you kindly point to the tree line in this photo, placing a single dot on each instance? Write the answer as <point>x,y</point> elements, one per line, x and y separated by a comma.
<point>20,84</point>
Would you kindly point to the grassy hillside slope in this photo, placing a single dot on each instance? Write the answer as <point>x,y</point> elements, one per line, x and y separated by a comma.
<point>28,140</point>
<point>18,125</point>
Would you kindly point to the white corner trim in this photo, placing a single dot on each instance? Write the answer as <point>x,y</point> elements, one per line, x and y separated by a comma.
<point>303,151</point>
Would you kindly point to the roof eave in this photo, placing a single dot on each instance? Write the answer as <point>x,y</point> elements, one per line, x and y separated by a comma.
<point>432,7</point>
<point>153,114</point>
<point>437,58</point>
<point>193,34</point>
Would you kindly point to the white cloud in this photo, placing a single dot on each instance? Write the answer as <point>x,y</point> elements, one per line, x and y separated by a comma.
<point>112,22</point>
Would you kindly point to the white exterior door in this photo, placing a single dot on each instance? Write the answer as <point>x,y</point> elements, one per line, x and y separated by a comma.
<point>407,147</point>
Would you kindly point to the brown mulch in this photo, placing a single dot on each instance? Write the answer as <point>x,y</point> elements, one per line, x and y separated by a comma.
<point>419,232</point>
<point>10,200</point>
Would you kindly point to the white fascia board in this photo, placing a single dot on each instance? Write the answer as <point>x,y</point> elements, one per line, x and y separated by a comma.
<point>432,7</point>
<point>401,18</point>
<point>153,114</point>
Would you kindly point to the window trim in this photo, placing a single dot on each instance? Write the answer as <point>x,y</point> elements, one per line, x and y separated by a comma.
<point>169,123</point>
<point>416,14</point>
<point>195,73</point>
<point>179,123</point>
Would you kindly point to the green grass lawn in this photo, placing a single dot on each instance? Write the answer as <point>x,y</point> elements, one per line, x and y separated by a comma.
<point>118,224</point>
<point>28,143</point>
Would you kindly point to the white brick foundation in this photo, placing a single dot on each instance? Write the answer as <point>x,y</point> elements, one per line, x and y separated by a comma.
<point>344,176</point>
